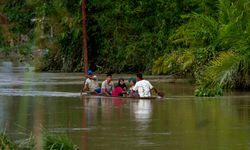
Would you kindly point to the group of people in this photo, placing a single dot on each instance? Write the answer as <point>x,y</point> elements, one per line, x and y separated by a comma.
<point>138,87</point>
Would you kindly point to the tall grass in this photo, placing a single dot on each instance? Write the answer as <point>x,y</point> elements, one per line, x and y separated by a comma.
<point>50,142</point>
<point>56,142</point>
<point>6,143</point>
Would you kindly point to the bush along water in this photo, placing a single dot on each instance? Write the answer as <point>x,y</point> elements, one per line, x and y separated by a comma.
<point>56,142</point>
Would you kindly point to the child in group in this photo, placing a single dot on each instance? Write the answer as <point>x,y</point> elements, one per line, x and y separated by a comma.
<point>120,89</point>
<point>131,92</point>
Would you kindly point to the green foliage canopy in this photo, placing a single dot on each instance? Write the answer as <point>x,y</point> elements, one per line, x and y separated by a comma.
<point>215,49</point>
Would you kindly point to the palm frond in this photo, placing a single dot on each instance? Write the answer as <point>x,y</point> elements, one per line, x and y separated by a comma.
<point>228,70</point>
<point>177,61</point>
<point>201,30</point>
<point>166,64</point>
<point>223,69</point>
<point>187,60</point>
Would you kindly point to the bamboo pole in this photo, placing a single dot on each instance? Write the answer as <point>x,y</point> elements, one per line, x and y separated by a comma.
<point>84,37</point>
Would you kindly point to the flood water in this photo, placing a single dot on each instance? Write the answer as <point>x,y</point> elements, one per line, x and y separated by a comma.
<point>33,102</point>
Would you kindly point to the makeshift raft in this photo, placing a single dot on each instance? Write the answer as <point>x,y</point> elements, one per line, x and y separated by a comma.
<point>85,94</point>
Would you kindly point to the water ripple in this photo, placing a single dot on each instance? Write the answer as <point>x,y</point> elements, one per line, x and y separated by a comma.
<point>21,92</point>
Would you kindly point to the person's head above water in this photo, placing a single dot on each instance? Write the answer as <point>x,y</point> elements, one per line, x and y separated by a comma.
<point>139,76</point>
<point>132,81</point>
<point>90,72</point>
<point>109,77</point>
<point>120,81</point>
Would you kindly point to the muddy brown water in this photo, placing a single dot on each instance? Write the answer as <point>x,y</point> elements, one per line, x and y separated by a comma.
<point>33,102</point>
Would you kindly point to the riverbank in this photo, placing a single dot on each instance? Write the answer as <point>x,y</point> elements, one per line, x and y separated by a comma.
<point>26,67</point>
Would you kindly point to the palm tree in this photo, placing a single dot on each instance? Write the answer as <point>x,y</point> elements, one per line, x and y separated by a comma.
<point>230,66</point>
<point>217,49</point>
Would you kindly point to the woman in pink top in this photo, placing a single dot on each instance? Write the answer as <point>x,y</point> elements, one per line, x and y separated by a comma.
<point>120,89</point>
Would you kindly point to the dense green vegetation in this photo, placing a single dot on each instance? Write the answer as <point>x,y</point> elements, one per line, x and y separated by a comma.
<point>208,40</point>
<point>15,28</point>
<point>215,49</point>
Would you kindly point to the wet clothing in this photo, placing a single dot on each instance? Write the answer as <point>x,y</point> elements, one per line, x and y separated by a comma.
<point>124,87</point>
<point>143,87</point>
<point>91,84</point>
<point>132,93</point>
<point>117,91</point>
<point>98,90</point>
<point>108,86</point>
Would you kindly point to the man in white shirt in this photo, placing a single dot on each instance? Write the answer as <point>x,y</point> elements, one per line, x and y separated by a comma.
<point>91,83</point>
<point>143,87</point>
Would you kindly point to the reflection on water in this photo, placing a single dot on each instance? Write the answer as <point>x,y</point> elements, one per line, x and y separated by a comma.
<point>142,110</point>
<point>31,102</point>
<point>31,92</point>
